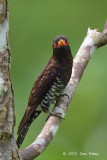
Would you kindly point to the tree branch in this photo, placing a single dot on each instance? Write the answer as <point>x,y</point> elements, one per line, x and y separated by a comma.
<point>93,40</point>
<point>8,148</point>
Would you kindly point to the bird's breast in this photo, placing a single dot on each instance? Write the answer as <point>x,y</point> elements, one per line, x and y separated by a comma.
<point>53,94</point>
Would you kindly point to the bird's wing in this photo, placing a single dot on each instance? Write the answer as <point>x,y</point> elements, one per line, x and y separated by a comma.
<point>39,90</point>
<point>42,84</point>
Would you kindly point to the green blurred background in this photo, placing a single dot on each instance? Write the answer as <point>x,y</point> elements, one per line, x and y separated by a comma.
<point>33,25</point>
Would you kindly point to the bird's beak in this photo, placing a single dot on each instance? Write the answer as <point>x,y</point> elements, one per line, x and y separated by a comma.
<point>61,42</point>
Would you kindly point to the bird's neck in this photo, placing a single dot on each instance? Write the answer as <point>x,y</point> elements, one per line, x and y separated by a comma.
<point>62,56</point>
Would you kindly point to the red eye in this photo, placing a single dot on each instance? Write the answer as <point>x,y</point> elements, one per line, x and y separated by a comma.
<point>54,45</point>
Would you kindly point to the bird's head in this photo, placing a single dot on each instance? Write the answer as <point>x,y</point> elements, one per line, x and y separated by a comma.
<point>60,45</point>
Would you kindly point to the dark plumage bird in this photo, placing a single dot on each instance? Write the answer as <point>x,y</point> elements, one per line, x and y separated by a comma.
<point>49,85</point>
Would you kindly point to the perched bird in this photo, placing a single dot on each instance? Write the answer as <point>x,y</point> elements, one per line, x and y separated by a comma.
<point>49,85</point>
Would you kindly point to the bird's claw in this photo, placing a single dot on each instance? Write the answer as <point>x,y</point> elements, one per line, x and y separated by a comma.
<point>62,95</point>
<point>54,114</point>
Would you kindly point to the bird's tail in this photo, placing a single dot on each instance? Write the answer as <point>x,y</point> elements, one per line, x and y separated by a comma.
<point>23,130</point>
<point>22,135</point>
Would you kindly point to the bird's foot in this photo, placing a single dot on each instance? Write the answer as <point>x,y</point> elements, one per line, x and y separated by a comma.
<point>54,114</point>
<point>62,95</point>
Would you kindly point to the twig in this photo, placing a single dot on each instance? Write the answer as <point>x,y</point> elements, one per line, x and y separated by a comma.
<point>93,40</point>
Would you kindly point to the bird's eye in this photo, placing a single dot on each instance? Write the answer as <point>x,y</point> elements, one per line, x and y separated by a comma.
<point>67,43</point>
<point>54,45</point>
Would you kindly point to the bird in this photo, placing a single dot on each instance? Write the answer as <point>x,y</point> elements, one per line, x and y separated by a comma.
<point>48,87</point>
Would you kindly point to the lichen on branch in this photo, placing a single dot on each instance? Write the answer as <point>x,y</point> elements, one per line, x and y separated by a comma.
<point>8,148</point>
